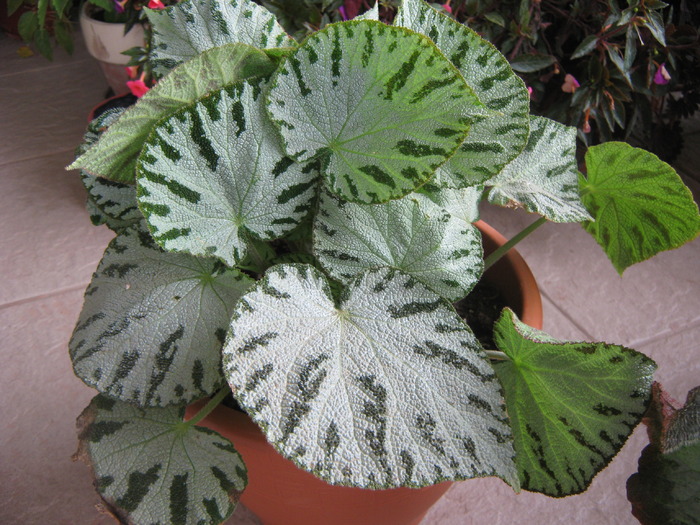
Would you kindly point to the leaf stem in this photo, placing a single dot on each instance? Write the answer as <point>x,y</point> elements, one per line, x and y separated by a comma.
<point>500,252</point>
<point>496,355</point>
<point>211,405</point>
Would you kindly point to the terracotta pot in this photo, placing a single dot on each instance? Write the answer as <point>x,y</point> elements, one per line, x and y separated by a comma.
<point>282,494</point>
<point>106,42</point>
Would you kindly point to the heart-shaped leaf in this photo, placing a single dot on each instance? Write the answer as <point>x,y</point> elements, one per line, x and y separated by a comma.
<point>114,155</point>
<point>572,405</point>
<point>544,178</point>
<point>153,323</point>
<point>640,205</point>
<point>214,173</point>
<point>150,467</point>
<point>494,141</point>
<point>433,247</point>
<point>380,106</point>
<point>389,388</point>
<point>186,29</point>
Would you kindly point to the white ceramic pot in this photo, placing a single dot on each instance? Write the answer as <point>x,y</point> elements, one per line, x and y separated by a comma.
<point>106,42</point>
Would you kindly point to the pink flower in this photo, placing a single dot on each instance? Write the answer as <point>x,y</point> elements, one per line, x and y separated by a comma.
<point>662,77</point>
<point>342,12</point>
<point>132,71</point>
<point>570,84</point>
<point>446,6</point>
<point>138,87</point>
<point>156,4</point>
<point>529,90</point>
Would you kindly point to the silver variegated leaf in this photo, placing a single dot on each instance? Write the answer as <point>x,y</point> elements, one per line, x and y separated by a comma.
<point>572,405</point>
<point>111,203</point>
<point>462,204</point>
<point>153,323</point>
<point>150,467</point>
<point>388,388</point>
<point>494,141</point>
<point>215,173</point>
<point>432,246</point>
<point>370,14</point>
<point>380,106</point>
<point>186,29</point>
<point>544,178</point>
<point>114,155</point>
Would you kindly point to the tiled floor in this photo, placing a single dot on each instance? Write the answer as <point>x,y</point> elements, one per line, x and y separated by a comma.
<point>49,250</point>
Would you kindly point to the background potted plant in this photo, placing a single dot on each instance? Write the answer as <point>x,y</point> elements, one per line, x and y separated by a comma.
<point>39,22</point>
<point>300,228</point>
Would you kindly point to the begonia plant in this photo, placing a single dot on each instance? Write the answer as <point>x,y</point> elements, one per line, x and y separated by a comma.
<point>294,224</point>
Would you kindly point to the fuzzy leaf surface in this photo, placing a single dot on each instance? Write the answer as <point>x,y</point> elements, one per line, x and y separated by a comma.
<point>111,203</point>
<point>640,205</point>
<point>435,248</point>
<point>666,487</point>
<point>214,173</point>
<point>572,405</point>
<point>186,29</point>
<point>388,389</point>
<point>153,323</point>
<point>151,468</point>
<point>462,204</point>
<point>379,106</point>
<point>493,141</point>
<point>544,178</point>
<point>114,155</point>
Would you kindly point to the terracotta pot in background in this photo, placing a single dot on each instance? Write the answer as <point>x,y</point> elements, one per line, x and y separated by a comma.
<point>280,493</point>
<point>106,42</point>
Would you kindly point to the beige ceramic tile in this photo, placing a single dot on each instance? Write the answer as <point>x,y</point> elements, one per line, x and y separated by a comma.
<point>45,110</point>
<point>48,242</point>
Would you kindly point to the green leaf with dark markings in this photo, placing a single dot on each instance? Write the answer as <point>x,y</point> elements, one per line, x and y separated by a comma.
<point>494,141</point>
<point>188,28</point>
<point>572,405</point>
<point>666,487</point>
<point>435,248</point>
<point>462,204</point>
<point>639,203</point>
<point>111,203</point>
<point>215,173</point>
<point>379,106</point>
<point>114,155</point>
<point>153,323</point>
<point>150,467</point>
<point>544,178</point>
<point>329,384</point>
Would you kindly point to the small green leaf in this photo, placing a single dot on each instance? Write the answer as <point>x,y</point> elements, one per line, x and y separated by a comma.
<point>586,46</point>
<point>387,388</point>
<point>13,5</point>
<point>532,63</point>
<point>639,203</point>
<point>215,172</point>
<point>153,323</point>
<point>544,178</point>
<point>114,155</point>
<point>380,107</point>
<point>572,405</point>
<point>27,25</point>
<point>430,245</point>
<point>186,29</point>
<point>666,487</point>
<point>43,43</point>
<point>150,467</point>
<point>42,8</point>
<point>495,18</point>
<point>63,31</point>
<point>655,24</point>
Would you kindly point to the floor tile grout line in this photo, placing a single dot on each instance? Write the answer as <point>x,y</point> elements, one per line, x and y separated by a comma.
<point>40,297</point>
<point>39,69</point>
<point>666,334</point>
<point>42,156</point>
